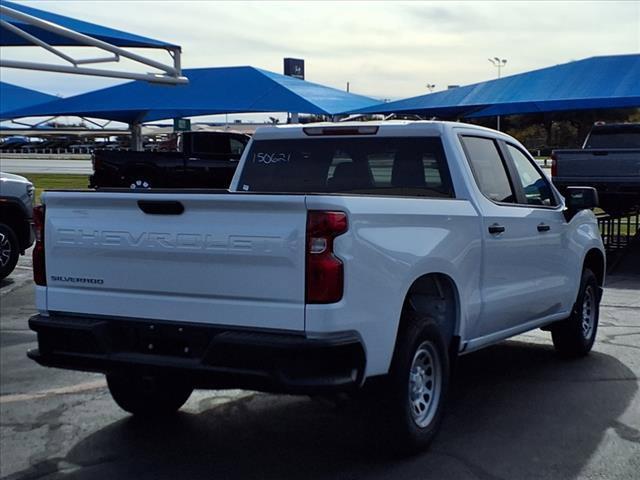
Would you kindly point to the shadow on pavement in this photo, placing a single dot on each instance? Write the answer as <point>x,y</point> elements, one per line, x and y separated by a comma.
<point>515,411</point>
<point>6,282</point>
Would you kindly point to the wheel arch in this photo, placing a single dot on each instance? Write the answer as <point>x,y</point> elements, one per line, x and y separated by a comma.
<point>594,260</point>
<point>14,217</point>
<point>435,294</point>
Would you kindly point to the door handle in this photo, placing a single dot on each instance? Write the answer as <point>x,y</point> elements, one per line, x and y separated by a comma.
<point>543,227</point>
<point>495,229</point>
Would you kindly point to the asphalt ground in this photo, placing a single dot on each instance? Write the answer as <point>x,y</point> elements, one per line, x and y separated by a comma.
<point>516,411</point>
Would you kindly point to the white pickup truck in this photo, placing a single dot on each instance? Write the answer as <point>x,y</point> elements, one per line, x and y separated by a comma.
<point>344,256</point>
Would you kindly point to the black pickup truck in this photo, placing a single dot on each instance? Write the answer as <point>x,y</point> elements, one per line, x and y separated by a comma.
<point>608,161</point>
<point>201,160</point>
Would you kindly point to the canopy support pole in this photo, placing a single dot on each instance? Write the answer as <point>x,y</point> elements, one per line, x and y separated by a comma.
<point>136,137</point>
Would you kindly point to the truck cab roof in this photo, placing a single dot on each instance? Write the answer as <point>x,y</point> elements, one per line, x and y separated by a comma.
<point>379,128</point>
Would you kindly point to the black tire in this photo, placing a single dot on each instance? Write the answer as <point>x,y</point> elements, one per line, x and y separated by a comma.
<point>574,337</point>
<point>148,396</point>
<point>9,250</point>
<point>413,429</point>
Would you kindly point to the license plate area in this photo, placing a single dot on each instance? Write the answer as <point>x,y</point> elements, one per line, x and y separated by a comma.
<point>183,341</point>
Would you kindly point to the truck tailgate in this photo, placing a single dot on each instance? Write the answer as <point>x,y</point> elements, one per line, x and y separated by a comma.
<point>598,164</point>
<point>234,259</point>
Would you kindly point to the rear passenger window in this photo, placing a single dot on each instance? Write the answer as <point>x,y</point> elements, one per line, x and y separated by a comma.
<point>381,165</point>
<point>432,175</point>
<point>488,168</point>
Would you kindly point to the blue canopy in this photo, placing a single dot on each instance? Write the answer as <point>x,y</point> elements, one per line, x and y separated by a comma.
<point>13,97</point>
<point>210,91</point>
<point>109,35</point>
<point>597,82</point>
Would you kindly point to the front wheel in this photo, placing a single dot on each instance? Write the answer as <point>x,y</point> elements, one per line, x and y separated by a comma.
<point>8,250</point>
<point>147,396</point>
<point>574,337</point>
<point>418,384</point>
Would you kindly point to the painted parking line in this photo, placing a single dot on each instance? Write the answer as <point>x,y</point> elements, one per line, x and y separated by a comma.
<point>80,388</point>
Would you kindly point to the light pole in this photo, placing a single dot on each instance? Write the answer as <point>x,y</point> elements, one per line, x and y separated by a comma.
<point>498,63</point>
<point>431,87</point>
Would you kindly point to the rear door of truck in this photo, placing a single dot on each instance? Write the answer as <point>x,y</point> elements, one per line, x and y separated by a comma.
<point>213,258</point>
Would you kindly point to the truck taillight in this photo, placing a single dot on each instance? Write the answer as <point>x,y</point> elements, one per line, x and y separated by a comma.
<point>554,166</point>
<point>324,271</point>
<point>39,272</point>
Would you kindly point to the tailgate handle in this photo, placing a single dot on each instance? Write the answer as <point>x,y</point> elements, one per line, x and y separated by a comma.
<point>601,154</point>
<point>161,207</point>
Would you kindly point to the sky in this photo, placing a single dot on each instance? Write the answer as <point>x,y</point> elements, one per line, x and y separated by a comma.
<point>387,50</point>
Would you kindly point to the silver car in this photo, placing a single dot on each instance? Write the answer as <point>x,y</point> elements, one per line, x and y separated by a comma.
<point>16,234</point>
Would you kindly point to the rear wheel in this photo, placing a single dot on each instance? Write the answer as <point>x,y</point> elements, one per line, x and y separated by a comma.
<point>8,250</point>
<point>417,384</point>
<point>140,179</point>
<point>574,337</point>
<point>137,183</point>
<point>148,396</point>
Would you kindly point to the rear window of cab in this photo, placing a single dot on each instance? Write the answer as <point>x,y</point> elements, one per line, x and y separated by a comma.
<point>402,166</point>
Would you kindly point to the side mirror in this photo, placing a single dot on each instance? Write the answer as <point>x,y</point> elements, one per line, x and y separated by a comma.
<point>580,198</point>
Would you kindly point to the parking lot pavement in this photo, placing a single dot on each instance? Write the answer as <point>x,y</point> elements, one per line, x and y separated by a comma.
<point>516,411</point>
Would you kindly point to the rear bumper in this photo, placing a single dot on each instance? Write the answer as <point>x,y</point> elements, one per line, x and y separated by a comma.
<point>212,357</point>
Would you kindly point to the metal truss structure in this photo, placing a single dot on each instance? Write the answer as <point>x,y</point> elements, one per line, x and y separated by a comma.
<point>169,74</point>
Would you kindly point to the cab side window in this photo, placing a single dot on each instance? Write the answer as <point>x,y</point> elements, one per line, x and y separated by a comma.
<point>205,143</point>
<point>236,146</point>
<point>488,168</point>
<point>536,187</point>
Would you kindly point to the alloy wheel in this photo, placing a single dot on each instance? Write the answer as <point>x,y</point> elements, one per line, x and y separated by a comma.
<point>5,250</point>
<point>139,184</point>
